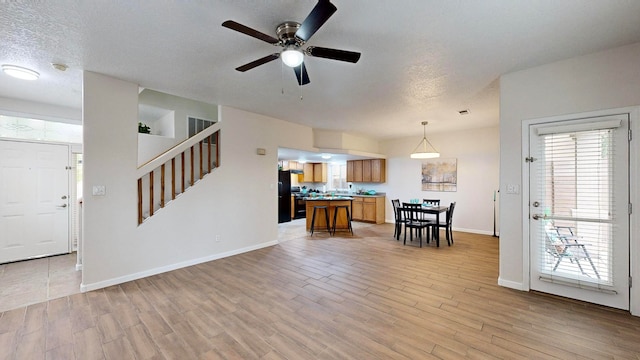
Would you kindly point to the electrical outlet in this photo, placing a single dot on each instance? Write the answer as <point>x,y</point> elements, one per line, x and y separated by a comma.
<point>217,238</point>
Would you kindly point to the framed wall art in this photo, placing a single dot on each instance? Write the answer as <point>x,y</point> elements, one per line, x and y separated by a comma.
<point>440,174</point>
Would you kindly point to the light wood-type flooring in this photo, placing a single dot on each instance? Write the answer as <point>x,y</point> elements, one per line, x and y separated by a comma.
<point>321,297</point>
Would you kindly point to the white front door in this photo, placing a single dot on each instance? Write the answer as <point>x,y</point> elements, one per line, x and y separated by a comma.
<point>578,209</point>
<point>34,204</point>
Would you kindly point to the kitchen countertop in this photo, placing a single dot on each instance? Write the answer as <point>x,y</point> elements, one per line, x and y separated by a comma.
<point>342,196</point>
<point>330,198</point>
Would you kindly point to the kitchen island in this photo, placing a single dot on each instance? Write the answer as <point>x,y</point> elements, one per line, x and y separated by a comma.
<point>330,202</point>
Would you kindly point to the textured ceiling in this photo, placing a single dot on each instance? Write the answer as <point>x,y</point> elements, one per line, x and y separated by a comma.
<point>421,60</point>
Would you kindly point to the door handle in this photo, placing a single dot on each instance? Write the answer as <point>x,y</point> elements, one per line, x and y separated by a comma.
<point>63,206</point>
<point>539,216</point>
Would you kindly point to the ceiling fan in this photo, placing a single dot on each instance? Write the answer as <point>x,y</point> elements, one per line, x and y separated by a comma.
<point>292,36</point>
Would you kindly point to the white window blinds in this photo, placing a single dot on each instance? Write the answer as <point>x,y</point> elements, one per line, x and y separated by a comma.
<point>576,170</point>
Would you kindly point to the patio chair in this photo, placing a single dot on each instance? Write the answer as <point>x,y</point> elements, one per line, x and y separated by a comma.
<point>561,243</point>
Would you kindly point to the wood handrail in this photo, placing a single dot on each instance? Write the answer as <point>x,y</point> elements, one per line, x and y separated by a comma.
<point>150,176</point>
<point>176,150</point>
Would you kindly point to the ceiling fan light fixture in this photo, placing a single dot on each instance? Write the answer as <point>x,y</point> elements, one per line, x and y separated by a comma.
<point>20,72</point>
<point>425,150</point>
<point>292,56</point>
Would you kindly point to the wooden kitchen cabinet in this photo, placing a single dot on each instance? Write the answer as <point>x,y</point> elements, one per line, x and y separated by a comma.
<point>368,208</point>
<point>350,171</point>
<point>368,171</point>
<point>357,207</point>
<point>294,165</point>
<point>308,172</point>
<point>314,172</point>
<point>320,172</point>
<point>290,165</point>
<point>293,206</point>
<point>378,170</point>
<point>354,171</point>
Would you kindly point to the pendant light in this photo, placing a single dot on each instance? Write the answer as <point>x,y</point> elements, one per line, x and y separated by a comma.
<point>425,150</point>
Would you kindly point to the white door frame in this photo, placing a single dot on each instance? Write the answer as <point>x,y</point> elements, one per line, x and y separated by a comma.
<point>634,195</point>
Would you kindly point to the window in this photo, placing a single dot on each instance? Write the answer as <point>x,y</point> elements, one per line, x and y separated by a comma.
<point>338,176</point>
<point>34,129</point>
<point>196,125</point>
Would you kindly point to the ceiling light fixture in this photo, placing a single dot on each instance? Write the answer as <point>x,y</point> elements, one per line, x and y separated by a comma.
<point>292,56</point>
<point>425,150</point>
<point>20,72</point>
<point>60,67</point>
<point>326,156</point>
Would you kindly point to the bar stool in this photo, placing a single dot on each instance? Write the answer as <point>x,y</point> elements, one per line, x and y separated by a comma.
<point>335,217</point>
<point>326,216</point>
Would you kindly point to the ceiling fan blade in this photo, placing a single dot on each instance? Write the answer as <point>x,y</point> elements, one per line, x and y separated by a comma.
<point>333,54</point>
<point>316,18</point>
<point>258,62</point>
<point>301,74</point>
<point>230,24</point>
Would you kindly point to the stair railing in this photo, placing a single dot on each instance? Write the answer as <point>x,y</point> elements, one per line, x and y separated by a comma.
<point>200,153</point>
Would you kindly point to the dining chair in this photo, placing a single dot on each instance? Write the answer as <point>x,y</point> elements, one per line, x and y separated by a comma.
<point>430,202</point>
<point>447,225</point>
<point>399,219</point>
<point>414,221</point>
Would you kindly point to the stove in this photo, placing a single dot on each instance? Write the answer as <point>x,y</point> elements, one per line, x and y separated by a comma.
<point>299,204</point>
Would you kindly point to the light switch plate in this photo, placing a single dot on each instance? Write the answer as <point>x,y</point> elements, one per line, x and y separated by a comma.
<point>99,190</point>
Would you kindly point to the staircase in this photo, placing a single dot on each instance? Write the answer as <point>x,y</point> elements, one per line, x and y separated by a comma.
<point>162,179</point>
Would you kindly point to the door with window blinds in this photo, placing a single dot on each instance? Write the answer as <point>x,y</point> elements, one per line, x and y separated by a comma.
<point>578,209</point>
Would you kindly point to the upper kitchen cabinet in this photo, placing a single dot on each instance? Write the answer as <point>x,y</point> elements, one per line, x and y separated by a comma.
<point>314,172</point>
<point>354,170</point>
<point>290,165</point>
<point>307,175</point>
<point>320,172</point>
<point>367,171</point>
<point>378,170</point>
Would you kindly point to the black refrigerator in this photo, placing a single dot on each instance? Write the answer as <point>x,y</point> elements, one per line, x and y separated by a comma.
<point>284,196</point>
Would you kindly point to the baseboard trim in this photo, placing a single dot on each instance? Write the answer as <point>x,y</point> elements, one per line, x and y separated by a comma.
<point>511,284</point>
<point>163,269</point>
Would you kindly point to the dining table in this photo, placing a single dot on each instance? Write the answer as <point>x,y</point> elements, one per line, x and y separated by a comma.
<point>434,210</point>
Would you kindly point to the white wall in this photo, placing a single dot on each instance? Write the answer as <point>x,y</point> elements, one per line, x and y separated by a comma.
<point>329,139</point>
<point>477,153</point>
<point>604,80</point>
<point>173,126</point>
<point>150,146</point>
<point>237,202</point>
